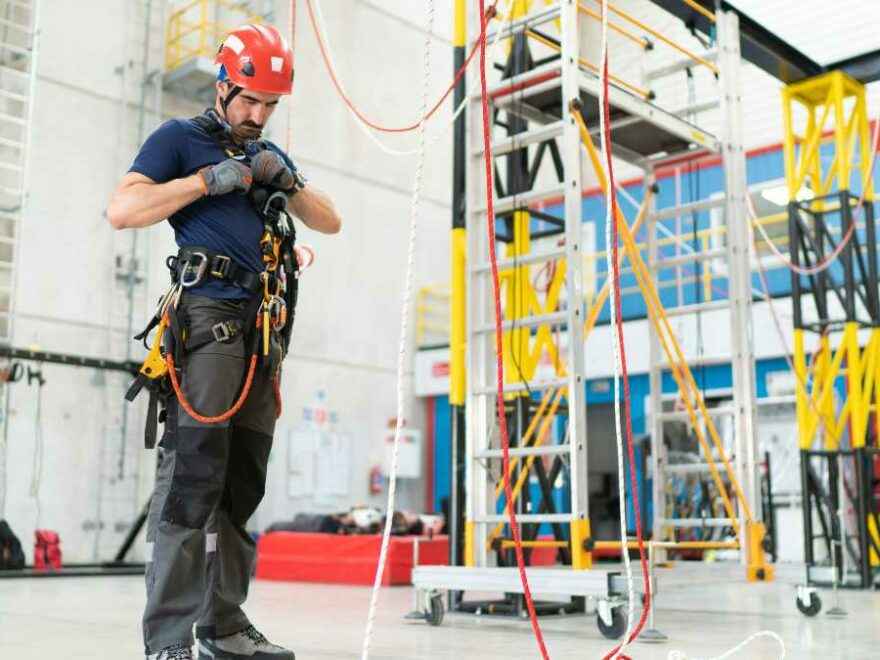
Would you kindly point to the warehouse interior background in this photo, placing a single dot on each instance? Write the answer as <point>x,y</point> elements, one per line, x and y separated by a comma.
<point>82,84</point>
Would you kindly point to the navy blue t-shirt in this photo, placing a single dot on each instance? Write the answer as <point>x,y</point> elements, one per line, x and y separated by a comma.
<point>227,224</point>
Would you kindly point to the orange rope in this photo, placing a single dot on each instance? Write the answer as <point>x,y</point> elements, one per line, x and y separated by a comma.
<point>181,397</point>
<point>276,388</point>
<point>325,55</point>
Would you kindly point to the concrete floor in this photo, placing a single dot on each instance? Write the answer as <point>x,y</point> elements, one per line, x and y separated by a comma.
<point>704,615</point>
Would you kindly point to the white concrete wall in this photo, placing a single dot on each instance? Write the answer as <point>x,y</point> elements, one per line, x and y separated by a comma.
<point>347,327</point>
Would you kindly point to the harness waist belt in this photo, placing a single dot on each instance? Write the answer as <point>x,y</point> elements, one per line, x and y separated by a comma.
<point>194,265</point>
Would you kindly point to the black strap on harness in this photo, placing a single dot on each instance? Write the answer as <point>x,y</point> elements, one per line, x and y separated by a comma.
<point>221,132</point>
<point>194,265</point>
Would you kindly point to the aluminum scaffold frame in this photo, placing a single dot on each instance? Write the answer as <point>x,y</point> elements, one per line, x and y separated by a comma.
<point>551,105</point>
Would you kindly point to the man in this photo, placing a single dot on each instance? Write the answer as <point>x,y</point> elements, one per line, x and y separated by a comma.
<point>204,174</point>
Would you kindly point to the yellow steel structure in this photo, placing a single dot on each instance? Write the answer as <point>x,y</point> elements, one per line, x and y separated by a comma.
<point>195,29</point>
<point>834,104</point>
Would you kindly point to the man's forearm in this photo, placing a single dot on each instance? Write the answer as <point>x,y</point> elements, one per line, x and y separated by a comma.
<point>316,210</point>
<point>143,203</point>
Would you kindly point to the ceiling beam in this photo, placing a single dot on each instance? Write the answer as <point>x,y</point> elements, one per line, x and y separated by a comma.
<point>760,46</point>
<point>864,67</point>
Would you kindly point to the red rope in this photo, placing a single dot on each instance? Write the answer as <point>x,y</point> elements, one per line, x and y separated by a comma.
<point>502,420</point>
<point>615,265</point>
<point>347,100</point>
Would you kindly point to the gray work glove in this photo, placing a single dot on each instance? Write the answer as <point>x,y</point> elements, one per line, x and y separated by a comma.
<point>269,168</point>
<point>227,176</point>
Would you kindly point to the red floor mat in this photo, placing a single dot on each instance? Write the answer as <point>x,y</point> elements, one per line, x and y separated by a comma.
<point>337,559</point>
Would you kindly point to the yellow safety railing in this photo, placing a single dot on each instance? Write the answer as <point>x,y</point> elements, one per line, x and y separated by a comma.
<point>432,315</point>
<point>635,89</point>
<point>196,28</point>
<point>657,35</point>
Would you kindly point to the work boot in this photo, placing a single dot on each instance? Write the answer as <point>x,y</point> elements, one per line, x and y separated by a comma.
<point>248,643</point>
<point>175,652</point>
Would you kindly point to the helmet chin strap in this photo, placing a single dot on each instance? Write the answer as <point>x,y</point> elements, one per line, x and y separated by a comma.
<point>226,100</point>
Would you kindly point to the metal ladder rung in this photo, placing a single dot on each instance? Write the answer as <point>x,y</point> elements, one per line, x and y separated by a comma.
<point>554,318</point>
<point>26,28</point>
<point>679,65</point>
<point>689,468</point>
<point>27,6</point>
<point>522,201</point>
<point>526,518</point>
<point>10,167</point>
<point>700,361</point>
<point>544,450</point>
<point>691,257</point>
<point>523,80</point>
<point>696,522</point>
<point>697,108</point>
<point>12,192</point>
<point>9,69</point>
<point>687,208</point>
<point>684,310</point>
<point>535,386</point>
<point>531,20</point>
<point>527,259</point>
<point>14,144</point>
<point>13,95</point>
<point>520,140</point>
<point>21,121</point>
<point>25,52</point>
<point>683,416</point>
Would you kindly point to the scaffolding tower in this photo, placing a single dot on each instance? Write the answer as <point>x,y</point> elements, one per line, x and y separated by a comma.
<point>546,114</point>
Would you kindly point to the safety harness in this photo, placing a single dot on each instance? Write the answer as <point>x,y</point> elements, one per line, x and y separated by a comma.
<point>270,308</point>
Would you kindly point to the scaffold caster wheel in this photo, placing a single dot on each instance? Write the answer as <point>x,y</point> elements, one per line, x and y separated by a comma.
<point>809,604</point>
<point>434,616</point>
<point>618,622</point>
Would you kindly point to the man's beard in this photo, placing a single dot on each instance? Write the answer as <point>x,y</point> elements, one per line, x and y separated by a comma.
<point>247,130</point>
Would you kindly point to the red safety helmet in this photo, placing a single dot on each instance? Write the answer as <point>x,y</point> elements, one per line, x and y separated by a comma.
<point>258,58</point>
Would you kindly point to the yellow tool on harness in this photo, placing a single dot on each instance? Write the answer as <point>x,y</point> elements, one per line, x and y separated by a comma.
<point>154,365</point>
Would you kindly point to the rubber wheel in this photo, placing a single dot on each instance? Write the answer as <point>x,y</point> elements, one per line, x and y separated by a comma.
<point>618,624</point>
<point>813,608</point>
<point>435,615</point>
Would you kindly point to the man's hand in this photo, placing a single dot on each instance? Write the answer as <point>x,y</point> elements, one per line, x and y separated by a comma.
<point>227,176</point>
<point>269,168</point>
<point>305,255</point>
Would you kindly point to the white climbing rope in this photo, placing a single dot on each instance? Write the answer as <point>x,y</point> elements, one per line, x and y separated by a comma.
<point>612,304</point>
<point>679,655</point>
<point>404,331</point>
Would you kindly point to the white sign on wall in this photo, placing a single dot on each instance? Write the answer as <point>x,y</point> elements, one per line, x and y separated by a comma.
<point>432,372</point>
<point>409,453</point>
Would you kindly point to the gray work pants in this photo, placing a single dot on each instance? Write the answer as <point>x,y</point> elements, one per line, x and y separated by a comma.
<point>209,482</point>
